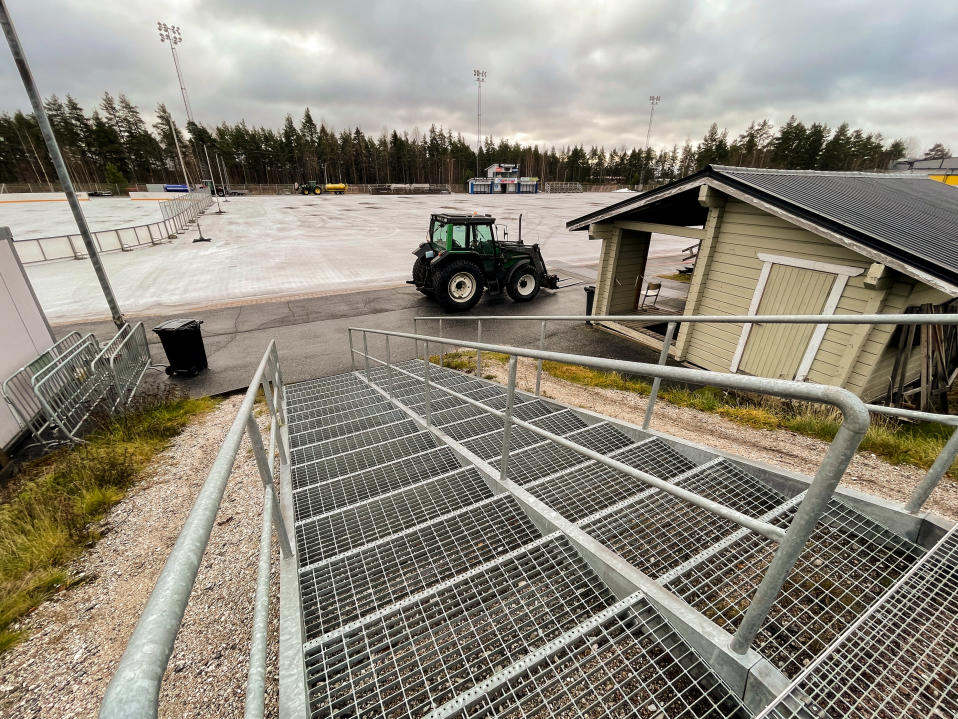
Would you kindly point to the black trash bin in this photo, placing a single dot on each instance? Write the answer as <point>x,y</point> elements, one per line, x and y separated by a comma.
<point>589,298</point>
<point>183,343</point>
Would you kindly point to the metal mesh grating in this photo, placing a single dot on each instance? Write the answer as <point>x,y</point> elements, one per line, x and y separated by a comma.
<point>346,390</point>
<point>420,655</point>
<point>899,661</point>
<point>386,477</point>
<point>561,422</point>
<point>602,437</point>
<point>528,411</point>
<point>482,393</point>
<point>437,405</point>
<point>330,414</point>
<point>541,460</point>
<point>329,448</point>
<point>847,564</point>
<point>473,427</point>
<point>489,445</point>
<point>337,532</point>
<point>348,587</point>
<point>658,532</point>
<point>631,665</point>
<point>463,411</point>
<point>657,458</point>
<point>316,499</point>
<point>334,403</point>
<point>581,492</point>
<point>320,434</point>
<point>360,459</point>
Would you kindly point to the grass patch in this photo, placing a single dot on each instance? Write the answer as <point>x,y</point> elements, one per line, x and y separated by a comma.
<point>895,442</point>
<point>678,277</point>
<point>465,360</point>
<point>45,523</point>
<point>588,377</point>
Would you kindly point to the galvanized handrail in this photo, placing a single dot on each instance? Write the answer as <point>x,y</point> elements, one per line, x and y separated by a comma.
<point>840,452</point>
<point>133,692</point>
<point>921,493</point>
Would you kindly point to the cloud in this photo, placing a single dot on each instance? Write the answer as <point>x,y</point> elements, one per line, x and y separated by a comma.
<point>559,72</point>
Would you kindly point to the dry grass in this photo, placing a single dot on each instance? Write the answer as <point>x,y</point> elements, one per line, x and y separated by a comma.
<point>45,522</point>
<point>678,277</point>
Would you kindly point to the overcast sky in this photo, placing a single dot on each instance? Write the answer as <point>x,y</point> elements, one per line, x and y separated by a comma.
<point>558,72</point>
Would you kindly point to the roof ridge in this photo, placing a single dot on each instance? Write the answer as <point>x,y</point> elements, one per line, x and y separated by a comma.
<point>817,173</point>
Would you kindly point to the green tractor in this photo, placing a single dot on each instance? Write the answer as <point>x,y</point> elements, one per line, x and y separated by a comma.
<point>464,256</point>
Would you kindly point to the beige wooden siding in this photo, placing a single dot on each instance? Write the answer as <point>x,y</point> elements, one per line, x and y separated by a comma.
<point>733,274</point>
<point>776,350</point>
<point>629,269</point>
<point>606,271</point>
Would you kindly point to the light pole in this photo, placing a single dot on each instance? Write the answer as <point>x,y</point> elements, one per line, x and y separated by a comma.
<point>653,101</point>
<point>480,76</point>
<point>172,35</point>
<point>62,174</point>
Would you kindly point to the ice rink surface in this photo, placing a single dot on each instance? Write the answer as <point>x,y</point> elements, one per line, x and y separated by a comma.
<point>28,220</point>
<point>271,246</point>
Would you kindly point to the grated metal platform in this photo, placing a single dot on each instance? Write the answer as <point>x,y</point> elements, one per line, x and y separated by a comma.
<point>428,589</point>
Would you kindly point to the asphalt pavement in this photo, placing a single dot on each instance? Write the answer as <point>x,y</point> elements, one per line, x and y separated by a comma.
<point>311,332</point>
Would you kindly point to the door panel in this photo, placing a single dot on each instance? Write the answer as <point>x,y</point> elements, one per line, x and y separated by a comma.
<point>776,350</point>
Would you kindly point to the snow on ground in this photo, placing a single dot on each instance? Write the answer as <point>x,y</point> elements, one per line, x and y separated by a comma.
<point>270,246</point>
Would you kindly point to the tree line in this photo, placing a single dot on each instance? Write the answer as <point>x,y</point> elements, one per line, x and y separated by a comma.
<point>113,144</point>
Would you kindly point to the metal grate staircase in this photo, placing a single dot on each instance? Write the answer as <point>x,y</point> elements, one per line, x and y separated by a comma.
<point>430,588</point>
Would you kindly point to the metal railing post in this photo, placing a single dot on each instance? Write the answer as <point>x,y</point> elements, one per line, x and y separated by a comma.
<point>256,677</point>
<point>352,352</point>
<point>441,345</point>
<point>425,371</point>
<point>389,369</point>
<point>507,427</point>
<point>479,352</point>
<point>654,392</point>
<point>366,356</point>
<point>840,453</point>
<point>266,475</point>
<point>415,331</point>
<point>937,470</point>
<point>542,342</point>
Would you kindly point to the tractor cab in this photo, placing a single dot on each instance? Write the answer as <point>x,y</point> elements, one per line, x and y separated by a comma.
<point>471,244</point>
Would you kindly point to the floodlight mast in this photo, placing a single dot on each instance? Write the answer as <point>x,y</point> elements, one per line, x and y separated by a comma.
<point>172,35</point>
<point>653,101</point>
<point>59,165</point>
<point>480,76</point>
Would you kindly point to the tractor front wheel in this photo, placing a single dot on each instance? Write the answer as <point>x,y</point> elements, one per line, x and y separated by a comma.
<point>459,286</point>
<point>523,285</point>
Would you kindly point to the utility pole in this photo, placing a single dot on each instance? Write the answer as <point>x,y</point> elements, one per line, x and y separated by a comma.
<point>480,76</point>
<point>59,165</point>
<point>653,101</point>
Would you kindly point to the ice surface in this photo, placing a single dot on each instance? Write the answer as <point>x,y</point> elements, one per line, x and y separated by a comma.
<point>269,246</point>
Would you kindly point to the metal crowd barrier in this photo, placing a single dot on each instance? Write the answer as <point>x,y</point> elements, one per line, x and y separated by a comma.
<point>182,210</point>
<point>18,388</point>
<point>921,493</point>
<point>791,542</point>
<point>56,393</point>
<point>133,692</point>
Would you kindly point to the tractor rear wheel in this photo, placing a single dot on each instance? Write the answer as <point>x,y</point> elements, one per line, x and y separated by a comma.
<point>318,191</point>
<point>458,285</point>
<point>419,272</point>
<point>524,284</point>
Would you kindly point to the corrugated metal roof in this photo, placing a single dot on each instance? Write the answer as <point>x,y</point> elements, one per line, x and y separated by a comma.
<point>909,216</point>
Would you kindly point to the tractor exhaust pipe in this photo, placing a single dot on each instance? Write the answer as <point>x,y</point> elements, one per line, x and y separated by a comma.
<point>520,228</point>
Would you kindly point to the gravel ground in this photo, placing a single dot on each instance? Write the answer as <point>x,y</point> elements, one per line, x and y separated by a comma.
<point>866,473</point>
<point>76,639</point>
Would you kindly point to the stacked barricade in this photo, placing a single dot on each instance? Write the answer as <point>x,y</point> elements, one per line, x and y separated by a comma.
<point>177,213</point>
<point>56,394</point>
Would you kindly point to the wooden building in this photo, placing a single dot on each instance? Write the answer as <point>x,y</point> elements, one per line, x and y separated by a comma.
<point>794,242</point>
